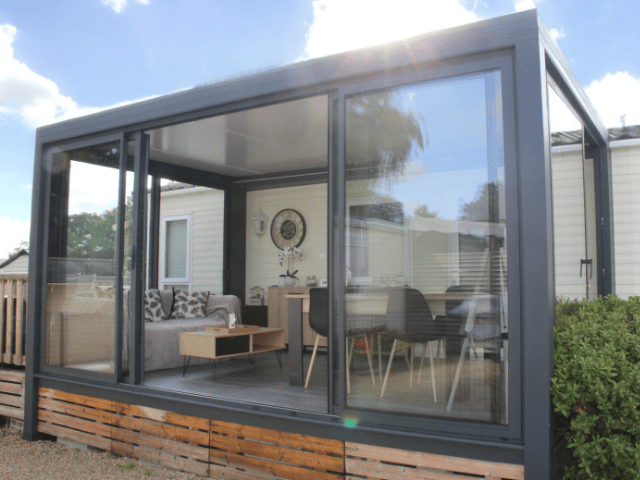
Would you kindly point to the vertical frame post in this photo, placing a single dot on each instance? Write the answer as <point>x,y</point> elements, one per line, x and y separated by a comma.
<point>120,249</point>
<point>36,293</point>
<point>339,260</point>
<point>154,232</point>
<point>138,257</point>
<point>536,250</point>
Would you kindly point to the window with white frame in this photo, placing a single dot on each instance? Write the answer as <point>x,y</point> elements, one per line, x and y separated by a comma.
<point>175,252</point>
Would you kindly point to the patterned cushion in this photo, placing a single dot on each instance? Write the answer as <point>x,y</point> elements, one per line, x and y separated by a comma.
<point>188,305</point>
<point>153,311</point>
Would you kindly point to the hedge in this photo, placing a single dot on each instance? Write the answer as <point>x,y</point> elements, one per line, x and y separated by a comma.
<point>596,387</point>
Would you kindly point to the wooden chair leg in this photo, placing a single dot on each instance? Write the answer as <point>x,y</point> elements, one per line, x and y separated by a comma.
<point>379,355</point>
<point>433,375</point>
<point>456,378</point>
<point>348,367</point>
<point>366,345</point>
<point>424,345</point>
<point>386,376</point>
<point>412,353</point>
<point>313,359</point>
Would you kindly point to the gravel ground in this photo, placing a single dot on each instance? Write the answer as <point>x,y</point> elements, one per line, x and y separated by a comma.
<point>48,460</point>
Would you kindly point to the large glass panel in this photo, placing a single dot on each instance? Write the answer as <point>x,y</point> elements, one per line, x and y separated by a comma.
<point>426,327</point>
<point>81,270</point>
<point>574,214</point>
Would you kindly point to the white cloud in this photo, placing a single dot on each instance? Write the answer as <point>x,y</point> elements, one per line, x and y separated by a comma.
<point>521,5</point>
<point>35,99</point>
<point>118,5</point>
<point>614,95</point>
<point>13,231</point>
<point>556,34</point>
<point>343,25</point>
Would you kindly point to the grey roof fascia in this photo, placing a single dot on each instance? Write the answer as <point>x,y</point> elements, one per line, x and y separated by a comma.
<point>323,73</point>
<point>577,96</point>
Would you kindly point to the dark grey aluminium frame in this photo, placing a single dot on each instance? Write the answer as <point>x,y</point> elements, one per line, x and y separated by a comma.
<point>518,37</point>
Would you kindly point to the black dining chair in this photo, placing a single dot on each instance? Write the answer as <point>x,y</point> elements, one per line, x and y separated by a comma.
<point>319,323</point>
<point>410,323</point>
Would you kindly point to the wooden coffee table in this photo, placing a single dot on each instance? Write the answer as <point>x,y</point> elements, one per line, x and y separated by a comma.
<point>215,344</point>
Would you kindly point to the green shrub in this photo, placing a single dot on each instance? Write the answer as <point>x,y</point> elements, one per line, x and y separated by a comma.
<point>596,386</point>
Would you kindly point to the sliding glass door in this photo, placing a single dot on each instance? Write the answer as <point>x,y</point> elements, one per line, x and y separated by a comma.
<point>574,203</point>
<point>425,328</point>
<point>82,273</point>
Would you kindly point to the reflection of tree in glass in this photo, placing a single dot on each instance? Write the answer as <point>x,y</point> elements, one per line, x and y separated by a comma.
<point>380,134</point>
<point>484,206</point>
<point>424,212</point>
<point>93,235</point>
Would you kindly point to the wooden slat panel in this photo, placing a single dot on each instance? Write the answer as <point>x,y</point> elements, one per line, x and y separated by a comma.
<point>162,444</point>
<point>77,399</point>
<point>14,376</point>
<point>161,458</point>
<point>439,462</point>
<point>74,435</point>
<point>383,471</point>
<point>10,323</point>
<point>12,412</point>
<point>315,444</point>
<point>74,410</point>
<point>17,356</point>
<point>152,427</point>
<point>278,453</point>
<point>161,416</point>
<point>12,388</point>
<point>216,471</point>
<point>266,467</point>
<point>76,423</point>
<point>11,400</point>
<point>3,318</point>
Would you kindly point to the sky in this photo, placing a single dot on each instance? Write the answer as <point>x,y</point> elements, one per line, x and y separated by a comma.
<point>61,59</point>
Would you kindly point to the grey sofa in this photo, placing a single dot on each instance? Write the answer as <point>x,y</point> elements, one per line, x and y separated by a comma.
<point>162,339</point>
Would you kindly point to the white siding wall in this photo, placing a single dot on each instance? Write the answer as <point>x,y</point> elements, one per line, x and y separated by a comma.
<point>19,265</point>
<point>206,208</point>
<point>625,164</point>
<point>263,269</point>
<point>568,221</point>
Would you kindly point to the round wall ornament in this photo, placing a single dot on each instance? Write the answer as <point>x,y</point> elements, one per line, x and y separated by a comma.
<point>288,229</point>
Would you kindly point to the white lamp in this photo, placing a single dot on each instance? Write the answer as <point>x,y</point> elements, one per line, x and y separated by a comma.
<point>260,223</point>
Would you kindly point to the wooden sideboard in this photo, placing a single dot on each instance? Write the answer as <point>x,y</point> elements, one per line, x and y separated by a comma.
<point>278,314</point>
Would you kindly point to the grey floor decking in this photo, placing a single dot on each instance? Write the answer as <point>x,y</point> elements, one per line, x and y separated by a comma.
<point>265,383</point>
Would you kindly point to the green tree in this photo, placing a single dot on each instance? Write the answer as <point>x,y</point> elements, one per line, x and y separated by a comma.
<point>93,235</point>
<point>484,206</point>
<point>381,136</point>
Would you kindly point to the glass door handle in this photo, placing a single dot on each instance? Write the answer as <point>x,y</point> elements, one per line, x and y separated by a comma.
<point>588,262</point>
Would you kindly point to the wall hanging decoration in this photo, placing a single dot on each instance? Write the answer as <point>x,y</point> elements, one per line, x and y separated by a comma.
<point>260,223</point>
<point>288,229</point>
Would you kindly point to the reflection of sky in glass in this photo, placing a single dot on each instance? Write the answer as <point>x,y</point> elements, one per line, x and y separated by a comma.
<point>455,161</point>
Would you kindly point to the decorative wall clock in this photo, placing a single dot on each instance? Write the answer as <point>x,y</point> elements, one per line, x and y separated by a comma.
<point>288,229</point>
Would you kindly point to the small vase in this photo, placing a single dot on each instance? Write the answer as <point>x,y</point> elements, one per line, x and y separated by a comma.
<point>289,281</point>
<point>311,281</point>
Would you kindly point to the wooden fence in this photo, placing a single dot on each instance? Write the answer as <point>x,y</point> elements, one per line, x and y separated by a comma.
<point>13,314</point>
<point>12,394</point>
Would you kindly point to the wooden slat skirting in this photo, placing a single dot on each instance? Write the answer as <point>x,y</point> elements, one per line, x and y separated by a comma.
<point>12,394</point>
<point>231,451</point>
<point>191,444</point>
<point>365,461</point>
